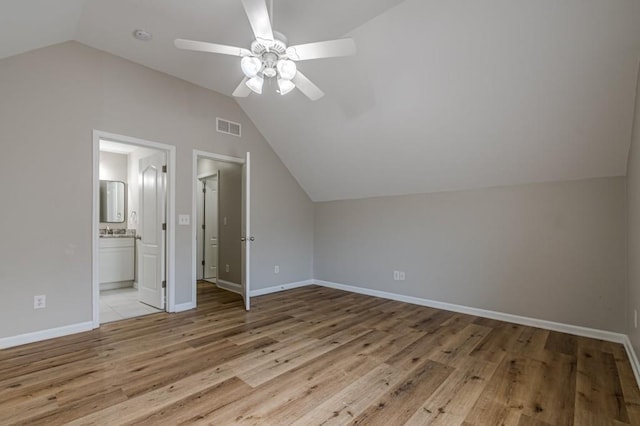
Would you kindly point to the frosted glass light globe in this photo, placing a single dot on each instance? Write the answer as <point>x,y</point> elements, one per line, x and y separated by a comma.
<point>287,69</point>
<point>250,66</point>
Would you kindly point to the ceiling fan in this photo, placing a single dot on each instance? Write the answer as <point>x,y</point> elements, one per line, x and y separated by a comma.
<point>270,57</point>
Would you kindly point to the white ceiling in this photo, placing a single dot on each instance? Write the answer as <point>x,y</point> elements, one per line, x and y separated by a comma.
<point>442,95</point>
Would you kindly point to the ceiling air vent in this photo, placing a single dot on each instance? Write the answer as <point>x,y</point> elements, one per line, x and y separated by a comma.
<point>228,127</point>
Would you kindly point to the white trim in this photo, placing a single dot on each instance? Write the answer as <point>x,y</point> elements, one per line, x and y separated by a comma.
<point>95,238</point>
<point>181,307</point>
<point>170,150</point>
<point>218,157</point>
<point>117,285</point>
<point>500,316</point>
<point>36,336</point>
<point>633,359</point>
<point>194,211</point>
<point>228,285</point>
<point>246,283</point>
<point>281,287</point>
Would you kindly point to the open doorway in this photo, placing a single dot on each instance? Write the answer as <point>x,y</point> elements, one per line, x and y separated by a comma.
<point>220,232</point>
<point>133,236</point>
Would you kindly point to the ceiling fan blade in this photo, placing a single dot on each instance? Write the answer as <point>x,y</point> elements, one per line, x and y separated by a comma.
<point>322,49</point>
<point>242,91</point>
<point>203,46</point>
<point>259,19</point>
<point>307,87</point>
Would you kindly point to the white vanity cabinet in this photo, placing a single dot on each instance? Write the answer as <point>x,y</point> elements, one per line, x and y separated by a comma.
<point>116,260</point>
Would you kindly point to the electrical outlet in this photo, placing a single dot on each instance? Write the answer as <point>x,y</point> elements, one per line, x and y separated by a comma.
<point>224,221</point>
<point>184,219</point>
<point>226,268</point>
<point>401,275</point>
<point>276,269</point>
<point>396,275</point>
<point>39,302</point>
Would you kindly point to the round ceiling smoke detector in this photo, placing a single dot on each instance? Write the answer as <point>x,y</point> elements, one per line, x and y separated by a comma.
<point>142,35</point>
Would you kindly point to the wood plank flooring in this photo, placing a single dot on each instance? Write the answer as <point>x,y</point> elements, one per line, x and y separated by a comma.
<point>317,356</point>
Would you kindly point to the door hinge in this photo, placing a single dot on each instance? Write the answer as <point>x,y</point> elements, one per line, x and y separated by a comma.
<point>204,190</point>
<point>203,263</point>
<point>164,284</point>
<point>204,227</point>
<point>164,169</point>
<point>164,226</point>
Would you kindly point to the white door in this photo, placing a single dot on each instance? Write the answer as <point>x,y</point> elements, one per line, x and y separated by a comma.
<point>246,233</point>
<point>211,228</point>
<point>151,269</point>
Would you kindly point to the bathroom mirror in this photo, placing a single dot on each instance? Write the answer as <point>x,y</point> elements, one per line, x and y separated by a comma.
<point>112,208</point>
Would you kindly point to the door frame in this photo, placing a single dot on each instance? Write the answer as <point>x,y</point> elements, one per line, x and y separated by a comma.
<point>170,151</point>
<point>194,209</point>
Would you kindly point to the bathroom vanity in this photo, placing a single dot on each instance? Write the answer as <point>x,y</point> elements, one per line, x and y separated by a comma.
<point>116,261</point>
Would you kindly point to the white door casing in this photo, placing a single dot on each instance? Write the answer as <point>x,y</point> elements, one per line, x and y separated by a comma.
<point>151,263</point>
<point>246,238</point>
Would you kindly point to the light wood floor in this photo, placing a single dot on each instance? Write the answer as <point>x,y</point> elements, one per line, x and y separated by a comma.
<point>317,356</point>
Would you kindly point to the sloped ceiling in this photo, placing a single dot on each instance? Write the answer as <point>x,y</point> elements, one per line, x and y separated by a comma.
<point>442,95</point>
<point>30,24</point>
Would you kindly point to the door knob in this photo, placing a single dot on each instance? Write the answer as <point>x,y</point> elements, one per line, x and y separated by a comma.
<point>243,239</point>
<point>251,239</point>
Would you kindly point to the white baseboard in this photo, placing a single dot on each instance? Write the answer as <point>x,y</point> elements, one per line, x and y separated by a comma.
<point>36,336</point>
<point>500,316</point>
<point>281,287</point>
<point>532,322</point>
<point>228,285</point>
<point>22,339</point>
<point>116,285</point>
<point>181,307</point>
<point>633,359</point>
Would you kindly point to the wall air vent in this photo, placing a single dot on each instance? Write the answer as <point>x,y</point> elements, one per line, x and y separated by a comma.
<point>228,127</point>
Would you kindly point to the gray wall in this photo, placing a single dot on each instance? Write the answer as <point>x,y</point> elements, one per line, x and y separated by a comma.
<point>113,166</point>
<point>553,251</point>
<point>50,101</point>
<point>633,194</point>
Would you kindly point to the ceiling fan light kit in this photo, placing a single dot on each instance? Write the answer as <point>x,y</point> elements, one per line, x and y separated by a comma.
<point>271,57</point>
<point>255,84</point>
<point>285,86</point>
<point>250,66</point>
<point>287,69</point>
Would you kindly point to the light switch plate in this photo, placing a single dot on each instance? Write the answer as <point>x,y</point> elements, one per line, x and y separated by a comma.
<point>39,301</point>
<point>184,219</point>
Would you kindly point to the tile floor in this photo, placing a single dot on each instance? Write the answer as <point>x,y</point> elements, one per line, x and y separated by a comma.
<point>122,303</point>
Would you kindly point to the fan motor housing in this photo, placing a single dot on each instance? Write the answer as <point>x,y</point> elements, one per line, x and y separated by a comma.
<point>279,45</point>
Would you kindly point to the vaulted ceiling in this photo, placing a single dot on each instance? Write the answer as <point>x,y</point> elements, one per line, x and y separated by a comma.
<point>441,95</point>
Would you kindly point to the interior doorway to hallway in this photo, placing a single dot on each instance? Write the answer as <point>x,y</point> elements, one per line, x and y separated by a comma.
<point>222,221</point>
